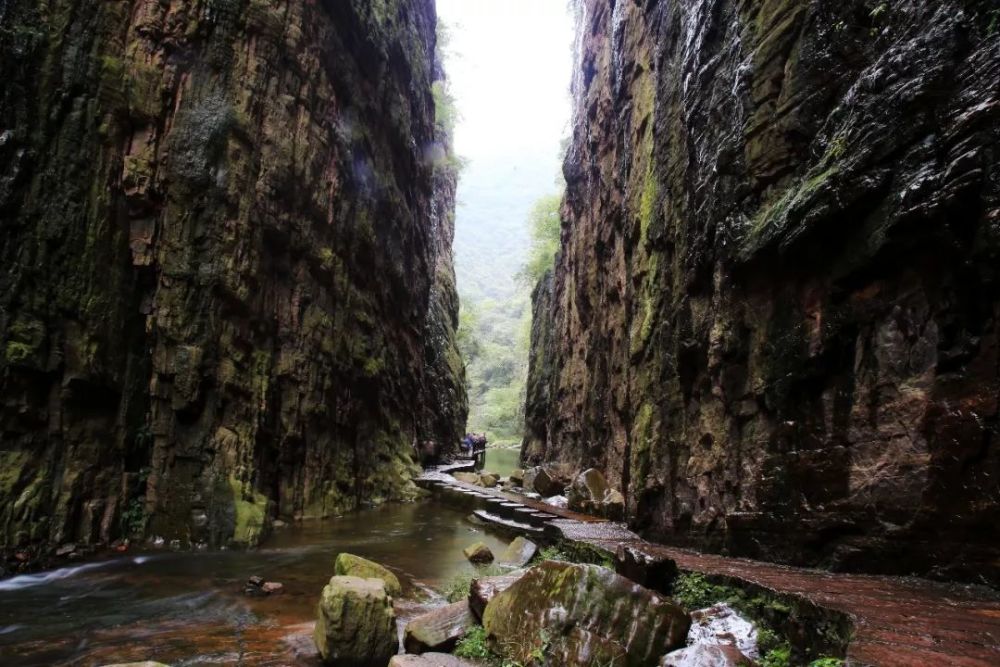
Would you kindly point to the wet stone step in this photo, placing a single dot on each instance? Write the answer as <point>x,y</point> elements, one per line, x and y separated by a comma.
<point>507,523</point>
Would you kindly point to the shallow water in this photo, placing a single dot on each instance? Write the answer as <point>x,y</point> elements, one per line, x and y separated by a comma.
<point>188,608</point>
<point>502,461</point>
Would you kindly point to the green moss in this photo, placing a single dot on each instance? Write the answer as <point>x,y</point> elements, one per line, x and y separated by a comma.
<point>250,513</point>
<point>12,465</point>
<point>17,353</point>
<point>647,203</point>
<point>827,662</point>
<point>458,586</point>
<point>794,196</point>
<point>642,440</point>
<point>575,552</point>
<point>326,258</point>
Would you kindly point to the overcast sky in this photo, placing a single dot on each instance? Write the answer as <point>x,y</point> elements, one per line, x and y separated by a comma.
<point>509,66</point>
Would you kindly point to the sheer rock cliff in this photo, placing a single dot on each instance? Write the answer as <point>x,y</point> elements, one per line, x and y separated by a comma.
<point>773,321</point>
<point>223,233</point>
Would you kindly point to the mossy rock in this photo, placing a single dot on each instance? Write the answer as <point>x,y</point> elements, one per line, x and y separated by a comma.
<point>602,618</point>
<point>478,553</point>
<point>356,566</point>
<point>355,623</point>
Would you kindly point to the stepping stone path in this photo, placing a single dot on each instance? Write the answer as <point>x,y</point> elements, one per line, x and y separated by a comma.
<point>896,621</point>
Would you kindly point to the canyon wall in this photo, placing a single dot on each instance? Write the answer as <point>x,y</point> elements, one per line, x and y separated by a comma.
<point>773,321</point>
<point>224,239</point>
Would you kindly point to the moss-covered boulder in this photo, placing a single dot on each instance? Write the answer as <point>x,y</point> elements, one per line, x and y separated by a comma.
<point>478,553</point>
<point>583,615</point>
<point>350,565</point>
<point>355,623</point>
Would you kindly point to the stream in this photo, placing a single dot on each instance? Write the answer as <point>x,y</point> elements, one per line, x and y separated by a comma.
<point>188,608</point>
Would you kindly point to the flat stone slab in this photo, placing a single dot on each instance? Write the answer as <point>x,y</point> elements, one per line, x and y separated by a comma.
<point>429,660</point>
<point>439,629</point>
<point>507,523</point>
<point>518,553</point>
<point>485,589</point>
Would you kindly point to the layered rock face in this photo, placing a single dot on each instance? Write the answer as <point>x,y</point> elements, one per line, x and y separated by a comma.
<point>773,322</point>
<point>225,238</point>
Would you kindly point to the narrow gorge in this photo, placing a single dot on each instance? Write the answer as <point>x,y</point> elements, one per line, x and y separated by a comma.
<point>773,318</point>
<point>748,417</point>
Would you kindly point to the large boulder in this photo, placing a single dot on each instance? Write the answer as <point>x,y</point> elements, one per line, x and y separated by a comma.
<point>355,623</point>
<point>439,629</point>
<point>516,477</point>
<point>349,565</point>
<point>544,481</point>
<point>587,487</point>
<point>478,553</point>
<point>591,494</point>
<point>489,479</point>
<point>706,655</point>
<point>595,615</point>
<point>722,625</point>
<point>518,553</point>
<point>484,589</point>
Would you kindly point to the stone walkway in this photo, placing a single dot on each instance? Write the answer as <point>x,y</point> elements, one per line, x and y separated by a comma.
<point>898,622</point>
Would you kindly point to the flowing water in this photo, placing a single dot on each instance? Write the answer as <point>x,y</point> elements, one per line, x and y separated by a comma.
<point>188,608</point>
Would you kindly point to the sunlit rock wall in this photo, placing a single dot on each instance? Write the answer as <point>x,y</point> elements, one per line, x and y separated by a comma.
<point>774,318</point>
<point>218,239</point>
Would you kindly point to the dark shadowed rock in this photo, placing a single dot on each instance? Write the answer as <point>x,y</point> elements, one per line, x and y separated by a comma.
<point>786,344</point>
<point>439,629</point>
<point>229,278</point>
<point>654,572</point>
<point>545,481</point>
<point>595,615</point>
<point>478,553</point>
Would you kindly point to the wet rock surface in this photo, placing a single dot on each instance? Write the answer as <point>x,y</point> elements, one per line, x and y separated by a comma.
<point>484,589</point>
<point>429,660</point>
<point>704,655</point>
<point>355,623</point>
<point>773,319</point>
<point>356,566</point>
<point>889,620</point>
<point>439,629</point>
<point>519,553</point>
<point>721,625</point>
<point>478,553</point>
<point>583,615</point>
<point>240,304</point>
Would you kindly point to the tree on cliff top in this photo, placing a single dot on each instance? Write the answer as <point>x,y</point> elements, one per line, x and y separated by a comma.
<point>545,226</point>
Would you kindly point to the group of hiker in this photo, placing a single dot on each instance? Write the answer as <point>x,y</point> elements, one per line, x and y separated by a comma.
<point>473,442</point>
